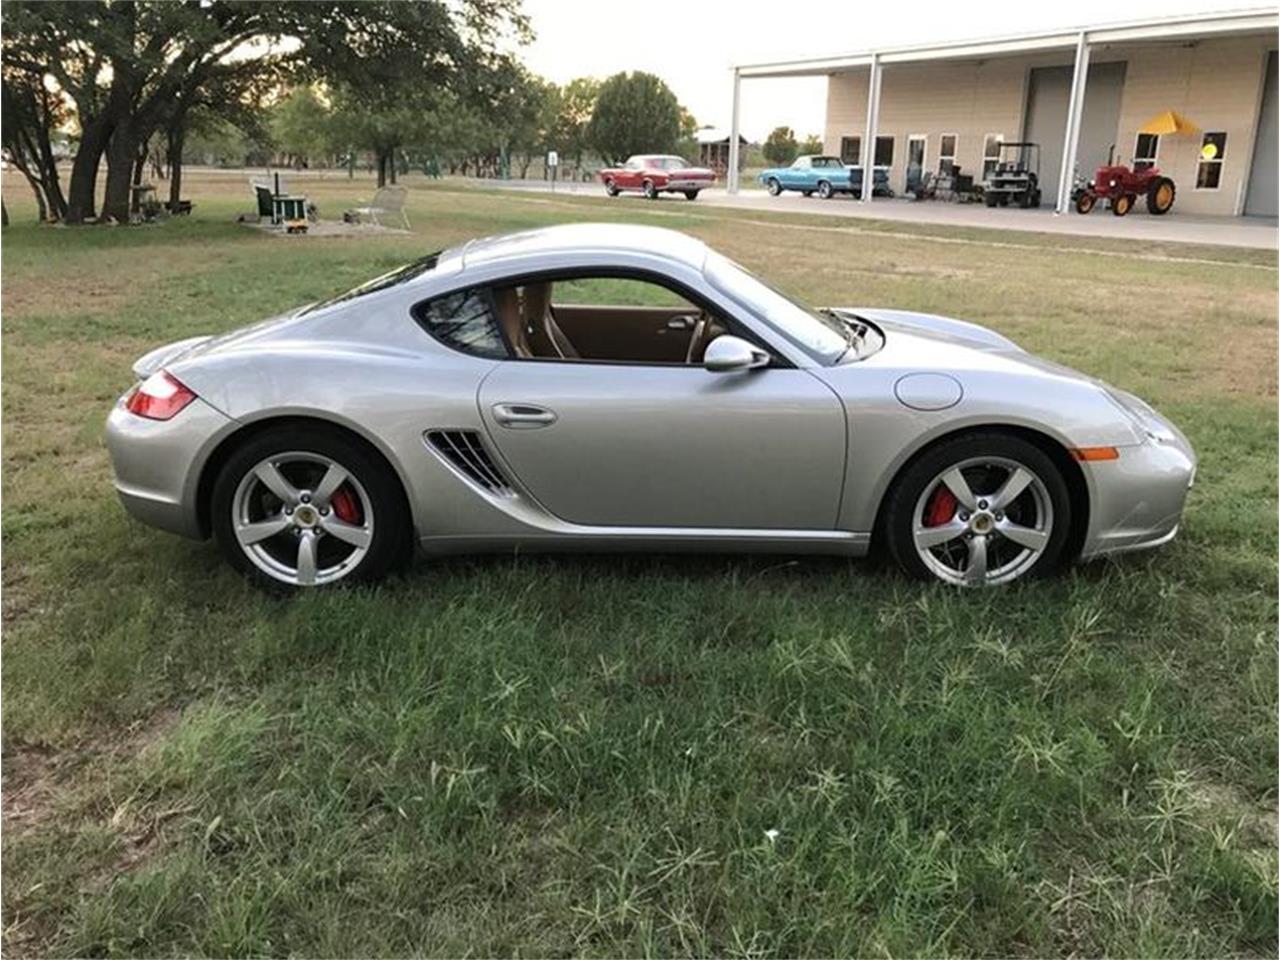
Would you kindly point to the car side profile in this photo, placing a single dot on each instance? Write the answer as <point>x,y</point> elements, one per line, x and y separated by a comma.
<point>654,174</point>
<point>605,387</point>
<point>810,174</point>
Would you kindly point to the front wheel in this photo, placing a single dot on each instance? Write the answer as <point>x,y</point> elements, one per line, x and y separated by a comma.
<point>824,190</point>
<point>308,506</point>
<point>773,186</point>
<point>979,510</point>
<point>650,191</point>
<point>610,187</point>
<point>1085,202</point>
<point>1160,196</point>
<point>691,194</point>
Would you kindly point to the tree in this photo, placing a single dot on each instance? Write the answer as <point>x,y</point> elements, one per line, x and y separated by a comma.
<point>131,66</point>
<point>634,113</point>
<point>31,112</point>
<point>780,146</point>
<point>575,105</point>
<point>389,63</point>
<point>811,144</point>
<point>299,126</point>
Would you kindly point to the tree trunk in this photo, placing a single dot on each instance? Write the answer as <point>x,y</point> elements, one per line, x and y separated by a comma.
<point>392,165</point>
<point>177,135</point>
<point>122,153</point>
<point>42,210</point>
<point>139,168</point>
<point>382,168</point>
<point>4,214</point>
<point>82,192</point>
<point>48,164</point>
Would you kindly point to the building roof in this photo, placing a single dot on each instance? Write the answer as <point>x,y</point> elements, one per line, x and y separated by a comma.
<point>715,135</point>
<point>1256,20</point>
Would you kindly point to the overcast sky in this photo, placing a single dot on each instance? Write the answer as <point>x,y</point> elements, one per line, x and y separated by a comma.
<point>692,44</point>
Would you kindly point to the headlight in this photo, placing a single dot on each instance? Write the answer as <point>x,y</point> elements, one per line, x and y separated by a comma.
<point>1152,424</point>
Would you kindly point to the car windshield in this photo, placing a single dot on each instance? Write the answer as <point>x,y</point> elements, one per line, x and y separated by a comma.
<point>397,276</point>
<point>822,336</point>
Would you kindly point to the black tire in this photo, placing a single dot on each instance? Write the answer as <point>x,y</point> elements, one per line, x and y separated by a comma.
<point>392,541</point>
<point>990,199</point>
<point>611,188</point>
<point>650,191</point>
<point>773,186</point>
<point>898,520</point>
<point>1122,204</point>
<point>691,194</point>
<point>1160,196</point>
<point>1085,202</point>
<point>824,190</point>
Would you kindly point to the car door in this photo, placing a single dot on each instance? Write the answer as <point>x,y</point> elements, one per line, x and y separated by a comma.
<point>669,445</point>
<point>796,176</point>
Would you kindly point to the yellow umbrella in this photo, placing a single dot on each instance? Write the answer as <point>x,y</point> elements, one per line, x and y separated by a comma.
<point>1168,122</point>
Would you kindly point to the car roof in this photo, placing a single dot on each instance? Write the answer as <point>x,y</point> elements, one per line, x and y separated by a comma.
<point>585,238</point>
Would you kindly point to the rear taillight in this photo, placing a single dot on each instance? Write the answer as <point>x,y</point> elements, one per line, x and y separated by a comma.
<point>159,397</point>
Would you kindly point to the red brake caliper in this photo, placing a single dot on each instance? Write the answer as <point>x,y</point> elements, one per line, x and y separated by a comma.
<point>346,506</point>
<point>941,507</point>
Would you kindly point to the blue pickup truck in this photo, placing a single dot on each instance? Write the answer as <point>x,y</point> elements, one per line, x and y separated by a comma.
<point>823,175</point>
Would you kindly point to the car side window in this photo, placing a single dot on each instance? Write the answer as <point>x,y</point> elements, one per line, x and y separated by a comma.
<point>466,321</point>
<point>605,319</point>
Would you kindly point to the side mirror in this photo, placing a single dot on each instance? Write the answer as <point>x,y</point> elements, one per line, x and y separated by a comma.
<point>729,354</point>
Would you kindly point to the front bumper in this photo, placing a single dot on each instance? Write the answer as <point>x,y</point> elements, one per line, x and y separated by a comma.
<point>1138,499</point>
<point>156,463</point>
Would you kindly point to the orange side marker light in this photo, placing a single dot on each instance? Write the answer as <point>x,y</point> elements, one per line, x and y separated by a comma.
<point>1096,453</point>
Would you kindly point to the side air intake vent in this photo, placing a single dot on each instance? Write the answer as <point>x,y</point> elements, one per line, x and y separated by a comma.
<point>465,451</point>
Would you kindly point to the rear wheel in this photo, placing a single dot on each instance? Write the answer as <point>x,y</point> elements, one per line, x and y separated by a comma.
<point>1160,196</point>
<point>650,191</point>
<point>307,506</point>
<point>824,190</point>
<point>979,510</point>
<point>773,186</point>
<point>1122,204</point>
<point>1085,202</point>
<point>610,187</point>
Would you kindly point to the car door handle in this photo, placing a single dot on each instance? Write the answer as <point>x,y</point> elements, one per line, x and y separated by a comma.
<point>524,416</point>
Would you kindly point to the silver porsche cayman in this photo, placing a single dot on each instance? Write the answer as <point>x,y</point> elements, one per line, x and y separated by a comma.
<point>603,387</point>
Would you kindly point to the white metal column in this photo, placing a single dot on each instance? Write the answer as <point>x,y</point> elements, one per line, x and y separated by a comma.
<point>731,175</point>
<point>1075,110</point>
<point>868,157</point>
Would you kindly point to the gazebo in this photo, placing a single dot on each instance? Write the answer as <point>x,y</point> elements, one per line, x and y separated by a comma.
<point>713,149</point>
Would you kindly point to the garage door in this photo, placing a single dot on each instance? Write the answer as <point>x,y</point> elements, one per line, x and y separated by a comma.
<point>1046,124</point>
<point>1261,199</point>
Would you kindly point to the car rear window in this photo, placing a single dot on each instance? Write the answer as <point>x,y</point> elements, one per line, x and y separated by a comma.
<point>465,321</point>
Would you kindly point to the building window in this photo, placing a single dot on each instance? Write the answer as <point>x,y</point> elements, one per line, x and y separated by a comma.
<point>851,150</point>
<point>1145,151</point>
<point>1209,171</point>
<point>946,152</point>
<point>991,154</point>
<point>884,151</point>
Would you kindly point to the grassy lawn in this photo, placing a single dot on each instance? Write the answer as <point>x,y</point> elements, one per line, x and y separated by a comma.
<point>732,756</point>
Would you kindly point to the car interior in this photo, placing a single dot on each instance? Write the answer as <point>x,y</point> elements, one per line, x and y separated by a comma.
<point>643,323</point>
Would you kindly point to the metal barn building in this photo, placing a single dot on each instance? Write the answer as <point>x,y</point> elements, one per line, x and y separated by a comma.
<point>1078,93</point>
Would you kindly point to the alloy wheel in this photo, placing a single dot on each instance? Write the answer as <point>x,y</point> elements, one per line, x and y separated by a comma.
<point>302,518</point>
<point>983,521</point>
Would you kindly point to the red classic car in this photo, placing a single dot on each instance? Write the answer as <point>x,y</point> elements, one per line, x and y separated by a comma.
<point>653,174</point>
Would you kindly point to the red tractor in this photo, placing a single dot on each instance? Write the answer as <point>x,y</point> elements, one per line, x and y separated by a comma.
<point>1122,186</point>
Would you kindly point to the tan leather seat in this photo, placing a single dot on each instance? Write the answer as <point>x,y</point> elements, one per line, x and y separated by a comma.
<point>506,302</point>
<point>545,335</point>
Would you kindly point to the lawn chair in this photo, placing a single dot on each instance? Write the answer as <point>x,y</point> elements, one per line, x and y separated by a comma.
<point>387,201</point>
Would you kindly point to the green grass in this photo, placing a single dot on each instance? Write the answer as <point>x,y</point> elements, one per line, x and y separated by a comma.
<point>592,755</point>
